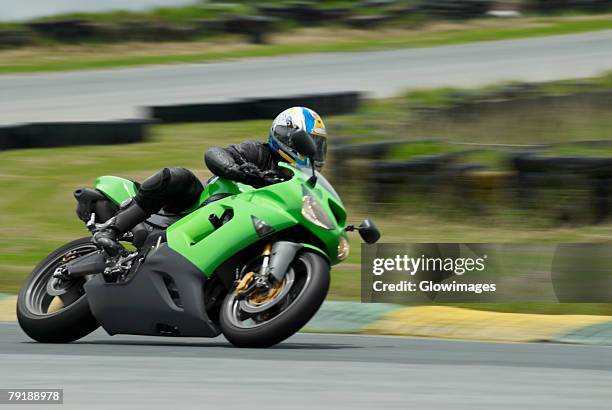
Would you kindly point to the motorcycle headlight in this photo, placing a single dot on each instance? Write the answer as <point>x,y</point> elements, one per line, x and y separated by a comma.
<point>314,212</point>
<point>343,248</point>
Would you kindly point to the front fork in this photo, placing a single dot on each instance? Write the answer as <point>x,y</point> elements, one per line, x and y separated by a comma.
<point>262,278</point>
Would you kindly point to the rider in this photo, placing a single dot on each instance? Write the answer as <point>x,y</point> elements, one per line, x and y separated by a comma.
<point>250,162</point>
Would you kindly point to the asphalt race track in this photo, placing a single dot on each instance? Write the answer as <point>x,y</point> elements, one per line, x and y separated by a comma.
<point>116,94</point>
<point>308,371</point>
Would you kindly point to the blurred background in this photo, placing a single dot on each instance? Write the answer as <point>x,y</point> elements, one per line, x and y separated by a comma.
<point>438,132</point>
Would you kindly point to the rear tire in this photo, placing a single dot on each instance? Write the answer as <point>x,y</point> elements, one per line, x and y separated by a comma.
<point>288,321</point>
<point>65,325</point>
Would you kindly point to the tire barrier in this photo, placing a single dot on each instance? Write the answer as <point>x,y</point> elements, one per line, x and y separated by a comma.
<point>378,3</point>
<point>343,152</point>
<point>389,178</point>
<point>579,176</point>
<point>557,5</point>
<point>72,31</point>
<point>304,12</point>
<point>83,30</point>
<point>476,187</point>
<point>364,22</point>
<point>14,38</point>
<point>252,109</point>
<point>209,26</point>
<point>150,31</point>
<point>60,134</point>
<point>255,27</point>
<point>470,108</point>
<point>456,9</point>
<point>400,11</point>
<point>65,30</point>
<point>579,187</point>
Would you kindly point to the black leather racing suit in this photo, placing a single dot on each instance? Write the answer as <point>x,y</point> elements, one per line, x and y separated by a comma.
<point>177,189</point>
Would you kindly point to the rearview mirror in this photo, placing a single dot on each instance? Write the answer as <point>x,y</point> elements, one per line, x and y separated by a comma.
<point>368,231</point>
<point>303,143</point>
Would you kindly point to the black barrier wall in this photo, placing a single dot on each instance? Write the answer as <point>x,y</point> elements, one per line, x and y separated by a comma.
<point>253,109</point>
<point>59,134</point>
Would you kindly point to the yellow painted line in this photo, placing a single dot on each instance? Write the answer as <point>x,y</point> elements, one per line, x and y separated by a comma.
<point>458,323</point>
<point>7,309</point>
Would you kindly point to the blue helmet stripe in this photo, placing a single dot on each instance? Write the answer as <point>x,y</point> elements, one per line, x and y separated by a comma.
<point>308,120</point>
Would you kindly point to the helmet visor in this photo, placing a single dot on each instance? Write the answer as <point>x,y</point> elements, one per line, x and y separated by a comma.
<point>283,134</point>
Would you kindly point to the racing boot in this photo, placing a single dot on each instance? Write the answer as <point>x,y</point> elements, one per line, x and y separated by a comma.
<point>112,230</point>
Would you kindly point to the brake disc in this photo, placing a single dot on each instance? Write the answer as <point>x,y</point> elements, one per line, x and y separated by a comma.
<point>260,302</point>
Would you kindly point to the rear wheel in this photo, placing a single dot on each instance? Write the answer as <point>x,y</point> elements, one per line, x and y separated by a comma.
<point>54,311</point>
<point>265,319</point>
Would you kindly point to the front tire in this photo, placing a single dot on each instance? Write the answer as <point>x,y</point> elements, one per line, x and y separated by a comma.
<point>313,272</point>
<point>39,318</point>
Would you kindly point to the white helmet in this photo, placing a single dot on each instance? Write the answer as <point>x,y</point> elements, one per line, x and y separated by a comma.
<point>296,118</point>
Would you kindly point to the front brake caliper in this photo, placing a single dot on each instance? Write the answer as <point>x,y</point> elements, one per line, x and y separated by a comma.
<point>253,280</point>
<point>244,283</point>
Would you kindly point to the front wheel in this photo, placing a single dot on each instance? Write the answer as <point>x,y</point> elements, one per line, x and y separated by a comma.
<point>265,320</point>
<point>54,311</point>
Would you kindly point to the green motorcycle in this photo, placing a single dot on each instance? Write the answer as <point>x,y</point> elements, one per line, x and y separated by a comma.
<point>250,263</point>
